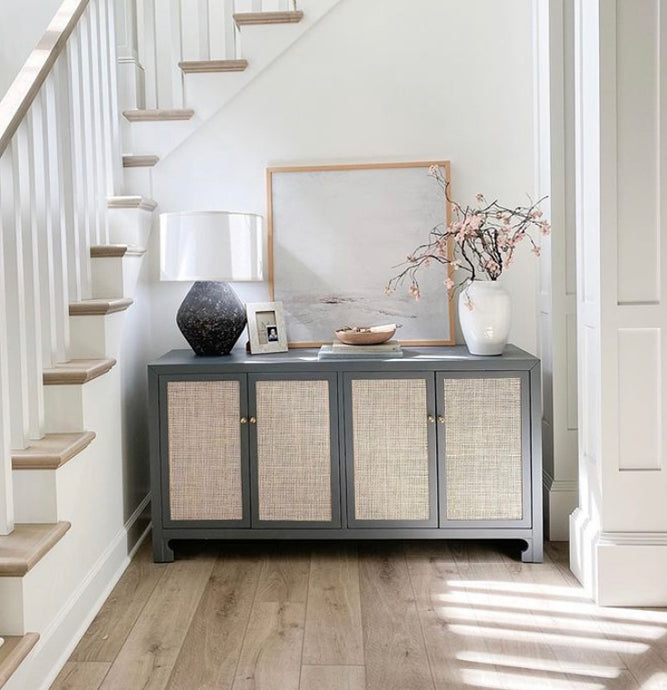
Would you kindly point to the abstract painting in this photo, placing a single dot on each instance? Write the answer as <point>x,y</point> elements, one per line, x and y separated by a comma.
<point>336,235</point>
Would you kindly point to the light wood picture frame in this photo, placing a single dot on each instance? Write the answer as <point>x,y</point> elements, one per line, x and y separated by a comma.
<point>336,234</point>
<point>266,327</point>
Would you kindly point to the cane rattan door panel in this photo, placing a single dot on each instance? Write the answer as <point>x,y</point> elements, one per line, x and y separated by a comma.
<point>390,447</point>
<point>205,451</point>
<point>295,457</point>
<point>481,449</point>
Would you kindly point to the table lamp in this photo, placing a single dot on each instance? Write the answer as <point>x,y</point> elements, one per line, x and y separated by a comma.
<point>211,248</point>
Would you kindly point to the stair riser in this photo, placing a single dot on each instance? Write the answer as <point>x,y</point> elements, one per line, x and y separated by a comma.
<point>138,180</point>
<point>96,337</point>
<point>35,496</point>
<point>115,276</point>
<point>157,138</point>
<point>71,408</point>
<point>130,226</point>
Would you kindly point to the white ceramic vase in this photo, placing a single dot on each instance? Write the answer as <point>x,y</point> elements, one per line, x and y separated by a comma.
<point>484,314</point>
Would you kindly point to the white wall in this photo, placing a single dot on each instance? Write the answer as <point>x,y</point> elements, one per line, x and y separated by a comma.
<point>22,24</point>
<point>375,80</point>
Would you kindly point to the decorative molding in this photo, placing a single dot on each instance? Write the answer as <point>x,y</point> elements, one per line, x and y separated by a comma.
<point>100,307</point>
<point>557,485</point>
<point>26,546</point>
<point>52,451</point>
<point>205,66</point>
<point>13,652</point>
<point>632,539</point>
<point>250,18</point>
<point>140,202</point>
<point>159,114</point>
<point>140,161</point>
<point>77,372</point>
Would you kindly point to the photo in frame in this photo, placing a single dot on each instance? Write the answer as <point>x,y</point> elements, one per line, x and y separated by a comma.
<point>266,327</point>
<point>335,236</point>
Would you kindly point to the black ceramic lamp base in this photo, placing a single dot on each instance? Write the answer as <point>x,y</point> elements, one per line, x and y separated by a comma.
<point>211,317</point>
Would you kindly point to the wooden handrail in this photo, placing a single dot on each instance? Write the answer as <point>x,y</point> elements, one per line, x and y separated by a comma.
<point>25,87</point>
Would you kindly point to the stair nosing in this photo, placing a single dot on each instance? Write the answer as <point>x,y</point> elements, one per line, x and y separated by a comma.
<point>255,18</point>
<point>100,306</point>
<point>132,201</point>
<point>22,460</point>
<point>15,566</point>
<point>131,160</point>
<point>69,376</point>
<point>15,657</point>
<point>158,114</point>
<point>209,66</point>
<point>115,251</point>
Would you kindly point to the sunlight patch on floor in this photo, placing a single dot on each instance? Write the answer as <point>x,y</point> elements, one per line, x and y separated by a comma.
<point>511,681</point>
<point>537,637</point>
<point>521,587</point>
<point>532,664</point>
<point>529,619</point>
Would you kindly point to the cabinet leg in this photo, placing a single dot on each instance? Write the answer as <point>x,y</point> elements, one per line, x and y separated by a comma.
<point>162,553</point>
<point>533,553</point>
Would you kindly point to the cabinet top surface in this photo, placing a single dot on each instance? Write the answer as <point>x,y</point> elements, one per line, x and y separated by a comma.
<point>414,358</point>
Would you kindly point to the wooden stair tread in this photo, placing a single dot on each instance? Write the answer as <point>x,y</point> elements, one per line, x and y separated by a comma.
<point>52,451</point>
<point>99,307</point>
<point>140,202</point>
<point>286,17</point>
<point>139,161</point>
<point>13,652</point>
<point>198,66</point>
<point>76,371</point>
<point>115,251</point>
<point>159,115</point>
<point>26,545</point>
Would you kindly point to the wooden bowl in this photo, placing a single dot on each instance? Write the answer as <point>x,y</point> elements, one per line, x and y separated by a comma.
<point>363,336</point>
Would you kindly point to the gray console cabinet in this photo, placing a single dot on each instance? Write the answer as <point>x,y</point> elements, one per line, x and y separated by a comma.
<point>439,444</point>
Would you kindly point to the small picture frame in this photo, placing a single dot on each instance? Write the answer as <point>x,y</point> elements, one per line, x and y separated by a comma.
<point>266,327</point>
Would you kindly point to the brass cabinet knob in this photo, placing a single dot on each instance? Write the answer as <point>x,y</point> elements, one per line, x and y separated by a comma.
<point>441,419</point>
<point>253,420</point>
<point>244,420</point>
<point>431,418</point>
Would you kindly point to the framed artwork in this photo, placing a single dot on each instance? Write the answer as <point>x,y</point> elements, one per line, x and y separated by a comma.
<point>336,234</point>
<point>266,327</point>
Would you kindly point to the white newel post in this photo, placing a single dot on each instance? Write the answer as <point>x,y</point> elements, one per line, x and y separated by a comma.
<point>619,532</point>
<point>554,128</point>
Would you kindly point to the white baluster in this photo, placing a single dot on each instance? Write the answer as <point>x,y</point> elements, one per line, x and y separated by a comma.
<point>28,192</point>
<point>114,115</point>
<point>78,242</point>
<point>59,208</point>
<point>194,32</point>
<point>146,29</point>
<point>14,297</point>
<point>43,229</point>
<point>168,55</point>
<point>6,492</point>
<point>256,5</point>
<point>90,93</point>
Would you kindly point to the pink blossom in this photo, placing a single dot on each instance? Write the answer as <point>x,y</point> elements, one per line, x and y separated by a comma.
<point>388,291</point>
<point>468,302</point>
<point>449,284</point>
<point>537,251</point>
<point>545,228</point>
<point>433,170</point>
<point>414,291</point>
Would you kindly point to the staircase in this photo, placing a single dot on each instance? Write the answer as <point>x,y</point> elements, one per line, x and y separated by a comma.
<point>112,88</point>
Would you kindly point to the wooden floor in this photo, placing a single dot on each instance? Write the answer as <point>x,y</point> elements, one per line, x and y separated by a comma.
<point>385,616</point>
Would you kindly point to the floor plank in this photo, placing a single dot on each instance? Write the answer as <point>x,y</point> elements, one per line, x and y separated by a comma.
<point>285,573</point>
<point>394,647</point>
<point>333,633</point>
<point>271,653</point>
<point>152,647</point>
<point>333,678</point>
<point>81,675</point>
<point>211,650</point>
<point>110,628</point>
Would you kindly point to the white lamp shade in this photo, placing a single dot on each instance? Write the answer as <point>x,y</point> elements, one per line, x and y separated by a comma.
<point>211,245</point>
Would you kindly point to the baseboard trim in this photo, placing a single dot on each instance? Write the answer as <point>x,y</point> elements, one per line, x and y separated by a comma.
<point>89,597</point>
<point>561,497</point>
